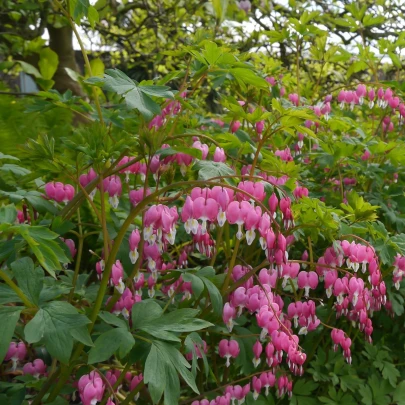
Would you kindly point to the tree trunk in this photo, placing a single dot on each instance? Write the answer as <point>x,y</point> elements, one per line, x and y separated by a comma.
<point>60,41</point>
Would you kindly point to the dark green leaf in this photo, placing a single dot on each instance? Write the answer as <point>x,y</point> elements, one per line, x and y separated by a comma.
<point>35,329</point>
<point>144,312</point>
<point>304,387</point>
<point>29,278</point>
<point>196,283</point>
<point>215,295</point>
<point>8,319</point>
<point>8,214</point>
<point>179,362</point>
<point>157,91</point>
<point>17,170</point>
<point>108,343</point>
<point>172,388</point>
<point>135,96</point>
<point>82,335</point>
<point>399,394</point>
<point>111,319</point>
<point>208,170</point>
<point>7,295</point>
<point>59,344</point>
<point>54,323</point>
<point>155,374</point>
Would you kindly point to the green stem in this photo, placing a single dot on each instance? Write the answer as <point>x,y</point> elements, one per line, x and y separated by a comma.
<point>32,214</point>
<point>143,338</point>
<point>293,288</point>
<point>72,206</point>
<point>45,388</point>
<point>227,240</point>
<point>78,258</point>
<point>111,259</point>
<point>16,289</point>
<point>104,221</point>
<point>85,57</point>
<point>65,374</point>
<point>231,266</point>
<point>131,395</point>
<point>298,69</point>
<point>218,244</point>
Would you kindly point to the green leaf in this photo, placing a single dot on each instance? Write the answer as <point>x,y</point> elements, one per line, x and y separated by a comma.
<point>9,317</point>
<point>48,252</point>
<point>115,340</point>
<point>356,67</point>
<point>304,387</point>
<point>385,251</point>
<point>111,319</point>
<point>15,169</point>
<point>54,324</point>
<point>97,67</point>
<point>8,157</point>
<point>388,370</point>
<point>29,278</point>
<point>370,20</point>
<point>40,204</point>
<point>61,226</point>
<point>399,241</point>
<point>208,170</point>
<point>301,400</point>
<point>157,91</point>
<point>181,320</point>
<point>59,345</point>
<point>7,295</point>
<point>249,77</point>
<point>179,362</point>
<point>82,335</point>
<point>172,388</point>
<point>136,96</point>
<point>48,63</point>
<point>79,8</point>
<point>179,149</point>
<point>366,395</point>
<point>75,76</point>
<point>59,401</point>
<point>359,209</point>
<point>215,295</point>
<point>159,333</point>
<point>8,214</point>
<point>93,17</point>
<point>136,99</point>
<point>395,60</point>
<point>35,329</point>
<point>244,359</point>
<point>399,394</point>
<point>144,312</point>
<point>220,7</point>
<point>29,69</point>
<point>64,315</point>
<point>117,82</point>
<point>191,341</point>
<point>155,374</point>
<point>211,52</point>
<point>189,325</point>
<point>196,283</point>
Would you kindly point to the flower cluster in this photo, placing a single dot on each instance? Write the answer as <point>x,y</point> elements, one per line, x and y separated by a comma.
<point>59,192</point>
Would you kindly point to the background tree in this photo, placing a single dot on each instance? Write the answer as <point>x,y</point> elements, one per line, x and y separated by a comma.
<point>303,137</point>
<point>141,36</point>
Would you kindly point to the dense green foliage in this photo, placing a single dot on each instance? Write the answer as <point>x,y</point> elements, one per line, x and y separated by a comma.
<point>350,160</point>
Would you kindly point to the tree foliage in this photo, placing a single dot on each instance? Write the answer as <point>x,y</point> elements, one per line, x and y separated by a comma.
<point>206,161</point>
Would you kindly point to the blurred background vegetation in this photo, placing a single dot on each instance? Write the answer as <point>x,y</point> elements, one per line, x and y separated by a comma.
<point>347,41</point>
